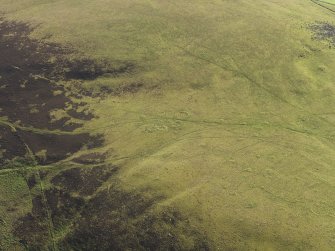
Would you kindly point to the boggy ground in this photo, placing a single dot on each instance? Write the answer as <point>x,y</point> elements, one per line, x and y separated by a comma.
<point>29,71</point>
<point>324,31</point>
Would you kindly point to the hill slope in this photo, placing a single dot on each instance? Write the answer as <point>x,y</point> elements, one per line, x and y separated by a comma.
<point>195,125</point>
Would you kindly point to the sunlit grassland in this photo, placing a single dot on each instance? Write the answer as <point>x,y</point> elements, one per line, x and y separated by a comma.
<point>235,122</point>
<point>329,5</point>
<point>14,192</point>
<point>329,1</point>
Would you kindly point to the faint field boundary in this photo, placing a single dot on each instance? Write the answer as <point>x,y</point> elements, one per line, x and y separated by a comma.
<point>324,4</point>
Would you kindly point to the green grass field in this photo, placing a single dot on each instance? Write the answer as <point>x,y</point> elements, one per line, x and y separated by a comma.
<point>233,126</point>
<point>329,1</point>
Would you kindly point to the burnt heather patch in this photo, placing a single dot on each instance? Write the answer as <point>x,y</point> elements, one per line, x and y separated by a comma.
<point>11,145</point>
<point>52,211</point>
<point>112,219</point>
<point>50,148</point>
<point>29,73</point>
<point>84,181</point>
<point>124,221</point>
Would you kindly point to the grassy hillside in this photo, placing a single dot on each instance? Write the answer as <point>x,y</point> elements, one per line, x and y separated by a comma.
<point>226,117</point>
